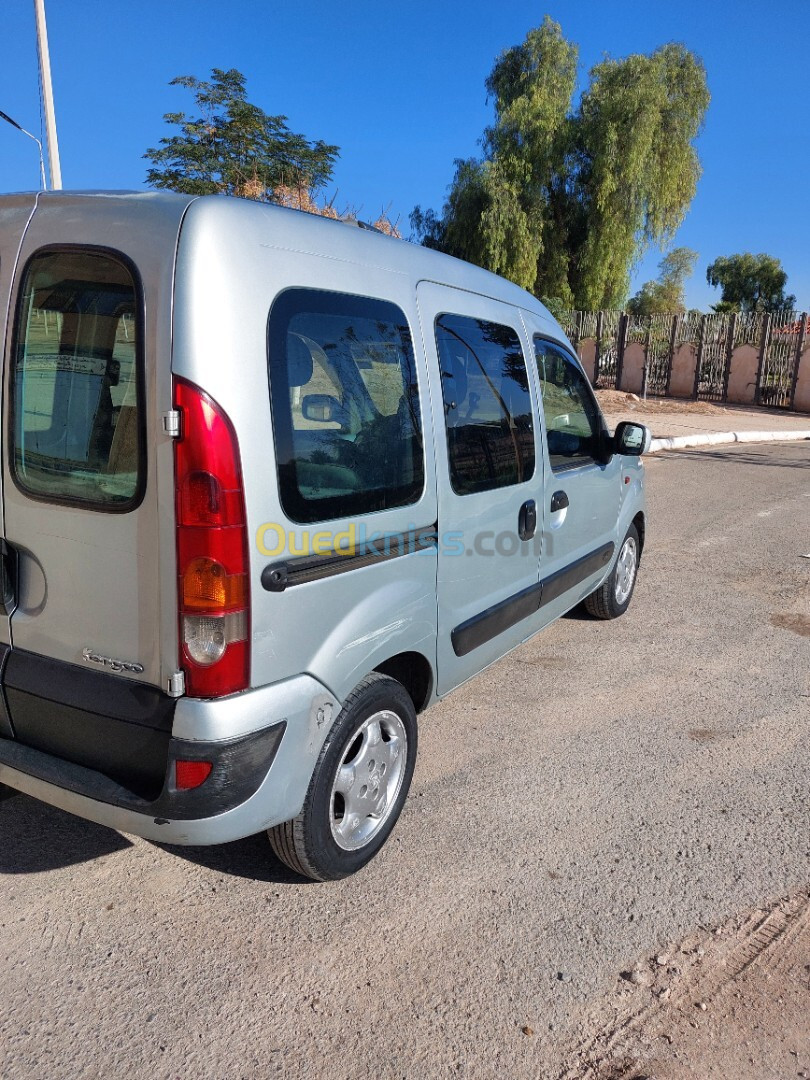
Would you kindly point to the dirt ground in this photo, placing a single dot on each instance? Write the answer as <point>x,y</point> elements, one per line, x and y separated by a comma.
<point>728,1001</point>
<point>611,401</point>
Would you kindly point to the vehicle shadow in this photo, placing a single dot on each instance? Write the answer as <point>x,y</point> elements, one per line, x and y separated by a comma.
<point>37,838</point>
<point>580,614</point>
<point>251,858</point>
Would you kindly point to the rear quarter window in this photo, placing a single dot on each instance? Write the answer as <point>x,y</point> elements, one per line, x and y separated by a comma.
<point>345,402</point>
<point>75,387</point>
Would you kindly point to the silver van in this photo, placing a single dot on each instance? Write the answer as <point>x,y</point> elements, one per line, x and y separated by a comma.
<point>272,485</point>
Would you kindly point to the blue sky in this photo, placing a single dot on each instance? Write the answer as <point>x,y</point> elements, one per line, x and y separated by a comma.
<point>400,88</point>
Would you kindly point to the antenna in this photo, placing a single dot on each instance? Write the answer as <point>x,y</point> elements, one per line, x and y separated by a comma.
<point>47,96</point>
<point>19,127</point>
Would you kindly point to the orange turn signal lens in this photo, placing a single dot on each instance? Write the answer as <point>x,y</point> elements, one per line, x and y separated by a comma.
<point>207,587</point>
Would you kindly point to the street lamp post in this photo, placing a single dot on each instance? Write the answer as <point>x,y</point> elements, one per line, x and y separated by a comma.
<point>47,96</point>
<point>19,127</point>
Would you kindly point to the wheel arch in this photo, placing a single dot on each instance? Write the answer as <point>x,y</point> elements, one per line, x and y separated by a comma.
<point>640,524</point>
<point>413,670</point>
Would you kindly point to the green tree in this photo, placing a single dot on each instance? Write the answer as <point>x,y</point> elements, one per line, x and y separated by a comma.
<point>565,200</point>
<point>234,147</point>
<point>666,294</point>
<point>750,283</point>
<point>530,144</point>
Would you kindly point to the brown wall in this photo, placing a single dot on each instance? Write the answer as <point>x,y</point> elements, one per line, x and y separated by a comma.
<point>587,355</point>
<point>742,377</point>
<point>682,380</point>
<point>741,380</point>
<point>633,368</point>
<point>802,400</point>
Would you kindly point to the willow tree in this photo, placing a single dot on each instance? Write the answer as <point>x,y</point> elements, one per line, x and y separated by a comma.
<point>485,222</point>
<point>528,145</point>
<point>565,200</point>
<point>639,169</point>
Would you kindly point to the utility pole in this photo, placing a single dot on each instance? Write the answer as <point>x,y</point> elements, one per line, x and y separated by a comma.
<point>47,96</point>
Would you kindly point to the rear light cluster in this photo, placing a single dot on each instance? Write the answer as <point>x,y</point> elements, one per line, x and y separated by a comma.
<point>212,548</point>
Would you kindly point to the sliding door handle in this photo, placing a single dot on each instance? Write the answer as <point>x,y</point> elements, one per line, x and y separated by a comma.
<point>527,520</point>
<point>559,501</point>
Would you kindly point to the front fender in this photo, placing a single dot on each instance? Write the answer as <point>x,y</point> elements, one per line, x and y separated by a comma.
<point>633,499</point>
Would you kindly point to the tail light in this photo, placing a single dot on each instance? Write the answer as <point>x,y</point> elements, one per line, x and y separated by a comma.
<point>212,548</point>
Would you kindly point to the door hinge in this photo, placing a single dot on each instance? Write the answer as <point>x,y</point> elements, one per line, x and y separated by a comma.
<point>177,684</point>
<point>171,423</point>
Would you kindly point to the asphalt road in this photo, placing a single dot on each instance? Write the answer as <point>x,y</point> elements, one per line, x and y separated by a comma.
<point>600,793</point>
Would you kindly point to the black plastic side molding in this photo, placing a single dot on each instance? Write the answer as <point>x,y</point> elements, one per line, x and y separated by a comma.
<point>303,568</point>
<point>500,617</point>
<point>570,576</point>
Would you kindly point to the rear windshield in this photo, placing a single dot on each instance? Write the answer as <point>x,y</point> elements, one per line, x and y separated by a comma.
<point>75,390</point>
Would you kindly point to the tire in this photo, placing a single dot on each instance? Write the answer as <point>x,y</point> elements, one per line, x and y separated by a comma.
<point>613,596</point>
<point>7,792</point>
<point>348,814</point>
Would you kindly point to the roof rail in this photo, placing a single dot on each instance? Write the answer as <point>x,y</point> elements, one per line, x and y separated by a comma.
<point>357,224</point>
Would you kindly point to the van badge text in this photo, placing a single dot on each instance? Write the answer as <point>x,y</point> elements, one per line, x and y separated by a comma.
<point>110,662</point>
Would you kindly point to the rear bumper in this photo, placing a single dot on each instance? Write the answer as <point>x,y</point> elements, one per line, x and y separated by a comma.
<point>263,745</point>
<point>238,768</point>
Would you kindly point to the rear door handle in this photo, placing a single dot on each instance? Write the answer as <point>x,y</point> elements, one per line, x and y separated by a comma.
<point>8,578</point>
<point>559,501</point>
<point>527,520</point>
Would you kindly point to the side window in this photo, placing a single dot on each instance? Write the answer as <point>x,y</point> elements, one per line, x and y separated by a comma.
<point>490,436</point>
<point>75,396</point>
<point>573,420</point>
<point>345,405</point>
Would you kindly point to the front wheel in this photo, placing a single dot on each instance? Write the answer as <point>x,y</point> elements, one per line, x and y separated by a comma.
<point>612,598</point>
<point>358,787</point>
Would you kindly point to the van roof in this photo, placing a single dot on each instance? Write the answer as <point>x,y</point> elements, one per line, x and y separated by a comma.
<point>281,227</point>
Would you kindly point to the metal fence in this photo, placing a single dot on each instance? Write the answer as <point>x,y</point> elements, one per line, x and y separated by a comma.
<point>779,340</point>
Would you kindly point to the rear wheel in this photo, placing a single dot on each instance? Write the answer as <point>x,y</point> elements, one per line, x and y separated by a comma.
<point>612,598</point>
<point>358,787</point>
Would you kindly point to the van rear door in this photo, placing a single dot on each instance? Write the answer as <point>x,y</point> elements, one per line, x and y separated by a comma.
<point>83,447</point>
<point>15,213</point>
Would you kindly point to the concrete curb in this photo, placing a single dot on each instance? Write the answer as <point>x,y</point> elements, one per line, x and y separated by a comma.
<point>716,438</point>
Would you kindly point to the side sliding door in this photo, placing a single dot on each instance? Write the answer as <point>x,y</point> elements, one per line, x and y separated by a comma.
<point>489,478</point>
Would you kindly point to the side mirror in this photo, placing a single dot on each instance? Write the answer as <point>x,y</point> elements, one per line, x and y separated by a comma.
<point>632,440</point>
<point>323,408</point>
